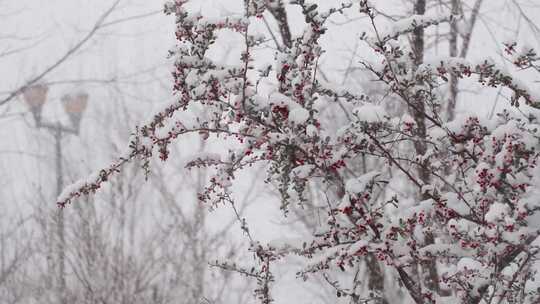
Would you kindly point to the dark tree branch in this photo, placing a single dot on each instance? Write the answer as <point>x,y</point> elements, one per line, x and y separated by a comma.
<point>97,26</point>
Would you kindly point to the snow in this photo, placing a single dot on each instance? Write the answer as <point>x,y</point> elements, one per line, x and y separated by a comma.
<point>445,249</point>
<point>275,137</point>
<point>358,245</point>
<point>497,211</point>
<point>469,264</point>
<point>419,233</point>
<point>358,185</point>
<point>408,24</point>
<point>287,243</point>
<point>455,63</point>
<point>298,116</point>
<point>397,184</point>
<point>533,284</point>
<point>303,171</point>
<point>437,133</point>
<point>311,131</point>
<point>327,255</point>
<point>76,186</point>
<point>370,113</point>
<point>432,63</point>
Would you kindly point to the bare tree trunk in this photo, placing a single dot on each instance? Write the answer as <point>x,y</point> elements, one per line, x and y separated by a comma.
<point>280,15</point>
<point>468,34</point>
<point>454,33</point>
<point>199,251</point>
<point>452,101</point>
<point>62,292</point>
<point>429,270</point>
<point>376,279</point>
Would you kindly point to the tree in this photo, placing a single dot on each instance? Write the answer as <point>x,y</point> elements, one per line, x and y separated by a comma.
<point>108,258</point>
<point>111,254</point>
<point>15,252</point>
<point>467,237</point>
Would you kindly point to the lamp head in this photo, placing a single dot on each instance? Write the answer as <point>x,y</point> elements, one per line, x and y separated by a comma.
<point>75,105</point>
<point>35,97</point>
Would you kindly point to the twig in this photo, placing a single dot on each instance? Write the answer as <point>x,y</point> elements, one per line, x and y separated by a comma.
<point>97,26</point>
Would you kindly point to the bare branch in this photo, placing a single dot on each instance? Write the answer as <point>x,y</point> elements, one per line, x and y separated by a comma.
<point>97,26</point>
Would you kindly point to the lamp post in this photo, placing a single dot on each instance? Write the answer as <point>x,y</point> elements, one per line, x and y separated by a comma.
<point>74,105</point>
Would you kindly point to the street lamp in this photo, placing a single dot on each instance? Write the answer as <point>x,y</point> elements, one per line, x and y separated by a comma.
<point>74,105</point>
<point>35,97</point>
